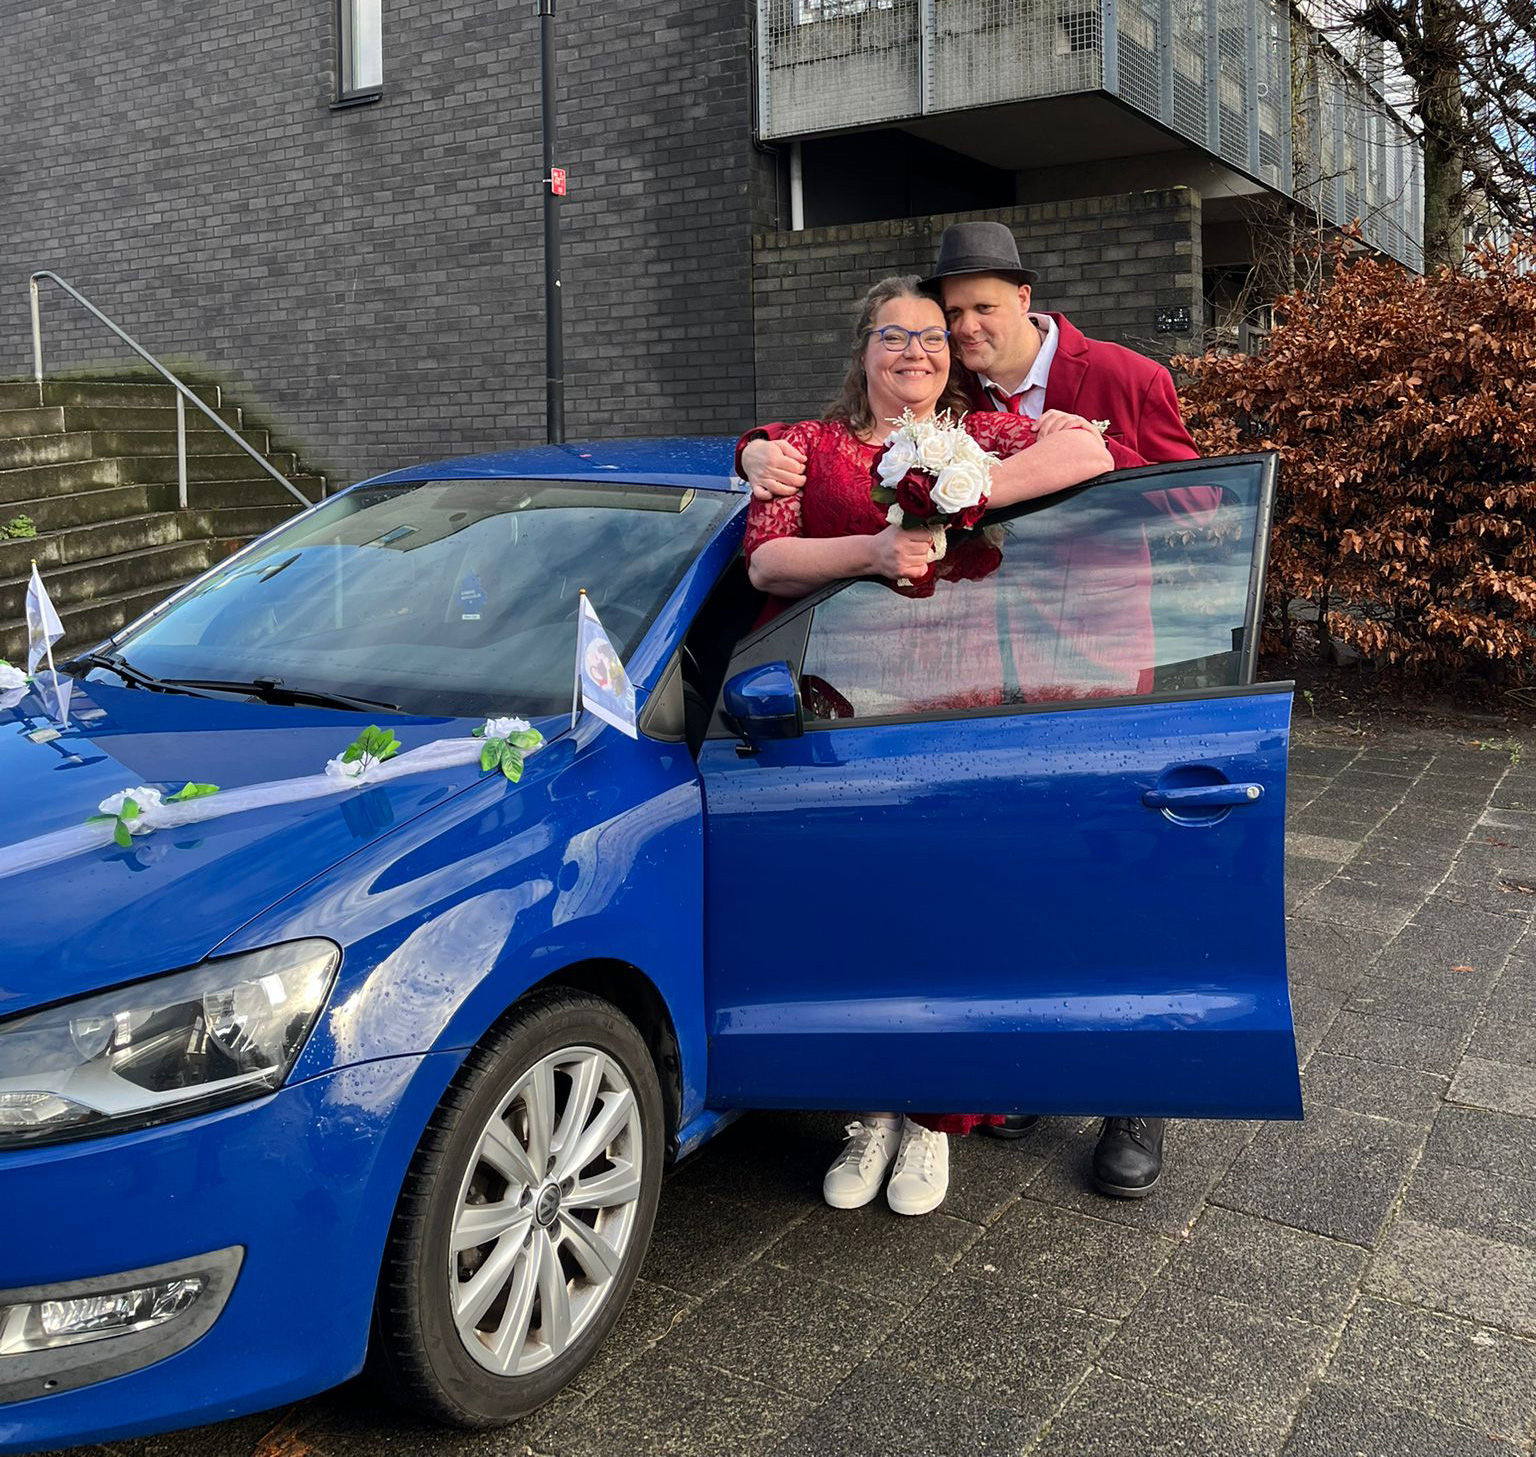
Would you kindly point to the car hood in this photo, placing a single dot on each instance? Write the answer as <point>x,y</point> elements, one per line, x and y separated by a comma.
<point>111,915</point>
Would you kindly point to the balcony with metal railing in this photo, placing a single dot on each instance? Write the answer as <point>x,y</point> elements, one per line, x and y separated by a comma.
<point>1243,82</point>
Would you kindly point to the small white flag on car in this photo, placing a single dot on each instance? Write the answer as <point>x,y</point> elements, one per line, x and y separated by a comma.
<point>43,630</point>
<point>601,682</point>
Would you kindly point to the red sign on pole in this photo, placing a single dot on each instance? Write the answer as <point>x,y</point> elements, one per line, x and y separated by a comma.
<point>557,181</point>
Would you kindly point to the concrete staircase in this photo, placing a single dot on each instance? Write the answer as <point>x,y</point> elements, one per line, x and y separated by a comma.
<point>93,464</point>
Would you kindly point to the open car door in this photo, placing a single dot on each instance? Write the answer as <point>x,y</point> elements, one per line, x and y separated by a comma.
<point>1011,840</point>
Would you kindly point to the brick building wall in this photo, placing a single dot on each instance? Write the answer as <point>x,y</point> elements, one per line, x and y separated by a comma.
<point>372,277</point>
<point>1108,263</point>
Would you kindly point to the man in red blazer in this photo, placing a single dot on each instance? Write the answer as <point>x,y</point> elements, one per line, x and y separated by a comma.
<point>1039,365</point>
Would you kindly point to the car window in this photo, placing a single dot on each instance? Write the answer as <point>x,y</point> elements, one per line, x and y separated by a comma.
<point>445,597</point>
<point>1123,588</point>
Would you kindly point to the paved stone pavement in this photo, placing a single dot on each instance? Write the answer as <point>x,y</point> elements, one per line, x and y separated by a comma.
<point>1363,1282</point>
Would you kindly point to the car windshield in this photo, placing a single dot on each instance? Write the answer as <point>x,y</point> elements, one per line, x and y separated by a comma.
<point>449,597</point>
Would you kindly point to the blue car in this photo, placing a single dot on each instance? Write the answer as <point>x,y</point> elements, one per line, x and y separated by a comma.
<point>319,1069</point>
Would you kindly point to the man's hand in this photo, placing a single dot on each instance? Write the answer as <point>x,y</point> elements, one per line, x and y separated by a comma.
<point>773,468</point>
<point>1053,420</point>
<point>897,552</point>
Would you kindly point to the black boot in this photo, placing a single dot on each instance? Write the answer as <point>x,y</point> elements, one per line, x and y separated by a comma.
<point>1015,1125</point>
<point>1129,1157</point>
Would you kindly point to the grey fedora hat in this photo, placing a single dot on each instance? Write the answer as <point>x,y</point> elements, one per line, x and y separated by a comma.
<point>979,248</point>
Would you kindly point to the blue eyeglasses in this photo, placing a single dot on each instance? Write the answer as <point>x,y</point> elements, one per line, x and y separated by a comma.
<point>895,338</point>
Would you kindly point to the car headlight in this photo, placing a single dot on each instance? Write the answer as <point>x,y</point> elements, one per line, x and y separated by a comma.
<point>164,1048</point>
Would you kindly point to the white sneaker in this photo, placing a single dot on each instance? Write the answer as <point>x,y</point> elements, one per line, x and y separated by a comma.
<point>920,1179</point>
<point>859,1170</point>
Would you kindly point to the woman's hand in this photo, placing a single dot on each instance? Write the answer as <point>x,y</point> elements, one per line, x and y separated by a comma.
<point>897,552</point>
<point>1054,420</point>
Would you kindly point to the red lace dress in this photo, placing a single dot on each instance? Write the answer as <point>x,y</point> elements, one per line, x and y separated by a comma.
<point>836,502</point>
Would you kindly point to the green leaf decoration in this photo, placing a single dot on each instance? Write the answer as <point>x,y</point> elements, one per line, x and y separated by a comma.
<point>478,733</point>
<point>129,811</point>
<point>512,763</point>
<point>526,739</point>
<point>192,791</point>
<point>121,835</point>
<point>490,755</point>
<point>374,743</point>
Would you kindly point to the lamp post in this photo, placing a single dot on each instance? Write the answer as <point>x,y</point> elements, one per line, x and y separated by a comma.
<point>554,190</point>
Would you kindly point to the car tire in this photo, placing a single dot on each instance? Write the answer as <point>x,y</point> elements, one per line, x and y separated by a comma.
<point>478,1333</point>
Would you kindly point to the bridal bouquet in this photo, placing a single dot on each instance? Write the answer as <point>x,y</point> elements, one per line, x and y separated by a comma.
<point>932,474</point>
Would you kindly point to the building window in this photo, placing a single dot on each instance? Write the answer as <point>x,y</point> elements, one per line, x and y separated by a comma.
<point>807,12</point>
<point>360,69</point>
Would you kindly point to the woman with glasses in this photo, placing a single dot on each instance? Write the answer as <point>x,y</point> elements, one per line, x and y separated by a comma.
<point>833,529</point>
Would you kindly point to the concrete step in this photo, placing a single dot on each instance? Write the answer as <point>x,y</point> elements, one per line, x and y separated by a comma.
<point>234,524</point>
<point>31,450</point>
<point>16,395</point>
<point>55,419</point>
<point>105,393</point>
<point>131,571</point>
<point>101,503</point>
<point>54,549</point>
<point>86,623</point>
<point>20,487</point>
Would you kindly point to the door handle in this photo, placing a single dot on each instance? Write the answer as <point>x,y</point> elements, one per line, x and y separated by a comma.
<point>1202,796</point>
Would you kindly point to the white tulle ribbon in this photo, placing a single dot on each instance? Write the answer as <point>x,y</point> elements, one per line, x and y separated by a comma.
<point>157,813</point>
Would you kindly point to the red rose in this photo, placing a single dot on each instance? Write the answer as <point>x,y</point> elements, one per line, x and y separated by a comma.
<point>970,515</point>
<point>914,494</point>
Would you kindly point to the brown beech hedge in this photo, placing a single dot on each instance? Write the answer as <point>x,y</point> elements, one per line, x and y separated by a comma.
<point>1404,410</point>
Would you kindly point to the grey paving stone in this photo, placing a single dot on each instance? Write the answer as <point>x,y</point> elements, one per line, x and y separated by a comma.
<point>770,1161</point>
<point>987,1174</point>
<point>700,1239</point>
<point>1196,1153</point>
<point>1089,1264</point>
<point>1112,1417</point>
<point>1014,1348</point>
<point>1340,1423</point>
<point>1500,1206</point>
<point>1453,1370</point>
<point>1430,826</point>
<point>1271,1267</point>
<point>1497,1039</point>
<point>664,1404</point>
<point>1473,1139</point>
<point>1356,907</point>
<point>1378,1089</point>
<point>1513,998</point>
<point>873,1251</point>
<point>873,1414</point>
<point>1303,876</point>
<point>785,1330</point>
<point>1315,1007</point>
<point>1330,954</point>
<point>1320,847</point>
<point>1391,1040</point>
<point>1336,1174</point>
<point>1500,1086</point>
<point>1457,1273</point>
<point>651,1313</point>
<point>1442,997</point>
<point>1213,1349</point>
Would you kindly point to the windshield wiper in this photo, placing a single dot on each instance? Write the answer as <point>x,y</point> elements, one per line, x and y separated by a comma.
<point>116,663</point>
<point>274,690</point>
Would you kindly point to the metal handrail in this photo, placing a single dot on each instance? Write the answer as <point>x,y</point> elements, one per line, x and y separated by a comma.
<point>183,393</point>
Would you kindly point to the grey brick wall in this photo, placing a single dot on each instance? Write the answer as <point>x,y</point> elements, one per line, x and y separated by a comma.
<point>372,277</point>
<point>1108,263</point>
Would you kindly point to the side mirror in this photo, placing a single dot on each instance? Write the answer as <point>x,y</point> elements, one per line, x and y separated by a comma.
<point>763,703</point>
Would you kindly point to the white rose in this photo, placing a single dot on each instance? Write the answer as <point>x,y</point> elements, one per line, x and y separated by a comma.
<point>503,728</point>
<point>933,451</point>
<point>961,485</point>
<point>147,799</point>
<point>339,768</point>
<point>11,677</point>
<point>900,456</point>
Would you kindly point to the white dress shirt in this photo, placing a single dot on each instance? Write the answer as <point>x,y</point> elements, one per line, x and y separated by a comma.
<point>1030,396</point>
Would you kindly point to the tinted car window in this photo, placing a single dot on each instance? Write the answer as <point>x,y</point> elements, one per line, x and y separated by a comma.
<point>1112,591</point>
<point>445,597</point>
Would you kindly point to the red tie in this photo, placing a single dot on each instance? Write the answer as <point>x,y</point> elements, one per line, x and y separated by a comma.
<point>1010,404</point>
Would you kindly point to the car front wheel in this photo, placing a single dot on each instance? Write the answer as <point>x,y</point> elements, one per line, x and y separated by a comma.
<point>525,1215</point>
